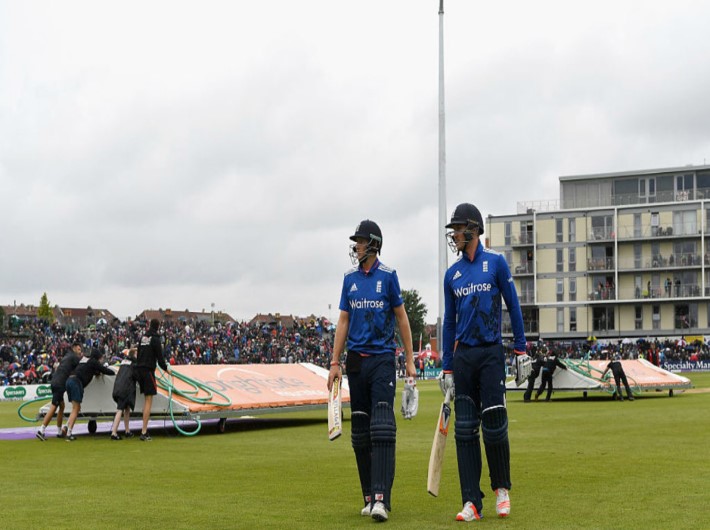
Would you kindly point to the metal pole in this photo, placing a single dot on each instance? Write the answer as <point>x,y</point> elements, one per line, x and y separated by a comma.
<point>442,180</point>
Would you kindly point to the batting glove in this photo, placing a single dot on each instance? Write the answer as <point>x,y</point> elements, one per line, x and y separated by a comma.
<point>446,382</point>
<point>410,399</point>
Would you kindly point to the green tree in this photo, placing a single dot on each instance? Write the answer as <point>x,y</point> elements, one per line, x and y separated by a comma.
<point>416,312</point>
<point>44,311</point>
<point>2,318</point>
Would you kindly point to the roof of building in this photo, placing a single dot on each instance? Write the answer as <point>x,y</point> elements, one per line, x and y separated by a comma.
<point>635,173</point>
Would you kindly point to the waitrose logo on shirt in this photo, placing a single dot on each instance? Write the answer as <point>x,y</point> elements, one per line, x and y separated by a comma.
<point>472,288</point>
<point>367,304</point>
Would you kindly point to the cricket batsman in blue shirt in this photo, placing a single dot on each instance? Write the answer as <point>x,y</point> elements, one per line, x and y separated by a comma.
<point>370,303</point>
<point>474,358</point>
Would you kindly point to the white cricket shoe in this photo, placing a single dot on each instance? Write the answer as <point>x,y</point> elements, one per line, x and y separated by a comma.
<point>367,510</point>
<point>469,513</point>
<point>502,502</point>
<point>379,512</point>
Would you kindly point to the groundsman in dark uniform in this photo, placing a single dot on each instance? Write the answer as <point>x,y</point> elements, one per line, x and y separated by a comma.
<point>150,355</point>
<point>549,363</point>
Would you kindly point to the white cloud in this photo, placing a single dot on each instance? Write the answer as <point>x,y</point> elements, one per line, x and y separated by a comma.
<point>175,154</point>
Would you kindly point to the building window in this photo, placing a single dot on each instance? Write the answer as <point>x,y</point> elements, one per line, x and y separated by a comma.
<point>573,289</point>
<point>573,319</point>
<point>602,227</point>
<point>572,229</point>
<point>684,187</point>
<point>572,259</point>
<point>560,289</point>
<point>558,230</point>
<point>655,222</point>
<point>526,232</point>
<point>637,255</point>
<point>508,227</point>
<point>684,223</point>
<point>655,254</point>
<point>685,317</point>
<point>656,318</point>
<point>647,189</point>
<point>560,260</point>
<point>638,317</point>
<point>638,287</point>
<point>638,229</point>
<point>527,291</point>
<point>603,319</point>
<point>560,320</point>
<point>684,254</point>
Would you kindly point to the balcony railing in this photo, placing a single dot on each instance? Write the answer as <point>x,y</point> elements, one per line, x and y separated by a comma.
<point>600,264</point>
<point>661,261</point>
<point>525,238</point>
<point>601,234</point>
<point>685,322</point>
<point>688,290</point>
<point>530,326</point>
<point>604,293</point>
<point>523,268</point>
<point>602,324</point>
<point>526,297</point>
<point>661,196</point>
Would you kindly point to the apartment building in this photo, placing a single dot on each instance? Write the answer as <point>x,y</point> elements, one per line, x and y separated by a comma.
<point>619,255</point>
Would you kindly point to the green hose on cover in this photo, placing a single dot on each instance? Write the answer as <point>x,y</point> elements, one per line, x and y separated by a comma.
<point>167,383</point>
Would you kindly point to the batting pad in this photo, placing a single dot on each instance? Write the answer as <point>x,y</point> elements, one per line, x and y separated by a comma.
<point>383,433</point>
<point>495,438</point>
<point>468,450</point>
<point>361,445</point>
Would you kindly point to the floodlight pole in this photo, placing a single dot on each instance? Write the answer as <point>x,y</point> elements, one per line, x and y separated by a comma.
<point>442,181</point>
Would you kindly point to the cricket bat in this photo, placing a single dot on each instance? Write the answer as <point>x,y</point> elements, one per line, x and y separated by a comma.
<point>436,459</point>
<point>335,411</point>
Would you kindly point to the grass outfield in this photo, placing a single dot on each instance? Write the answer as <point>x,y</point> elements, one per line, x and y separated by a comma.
<point>576,463</point>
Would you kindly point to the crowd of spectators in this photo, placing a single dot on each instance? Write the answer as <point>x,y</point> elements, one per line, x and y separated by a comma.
<point>655,351</point>
<point>30,355</point>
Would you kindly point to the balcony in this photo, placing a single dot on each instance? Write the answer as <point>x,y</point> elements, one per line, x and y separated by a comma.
<point>686,260</point>
<point>600,264</point>
<point>530,327</point>
<point>523,268</point>
<point>602,324</point>
<point>524,239</point>
<point>526,297</point>
<point>661,196</point>
<point>601,234</point>
<point>602,293</point>
<point>659,261</point>
<point>669,291</point>
<point>685,323</point>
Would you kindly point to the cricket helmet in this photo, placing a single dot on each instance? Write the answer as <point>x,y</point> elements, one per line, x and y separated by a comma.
<point>468,215</point>
<point>368,230</point>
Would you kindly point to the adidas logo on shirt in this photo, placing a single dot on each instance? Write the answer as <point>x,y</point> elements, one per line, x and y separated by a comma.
<point>353,288</point>
<point>457,275</point>
<point>485,266</point>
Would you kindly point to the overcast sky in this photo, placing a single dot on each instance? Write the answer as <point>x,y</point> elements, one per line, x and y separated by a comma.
<point>183,154</point>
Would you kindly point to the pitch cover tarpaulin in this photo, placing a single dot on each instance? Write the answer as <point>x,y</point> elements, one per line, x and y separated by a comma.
<point>258,386</point>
